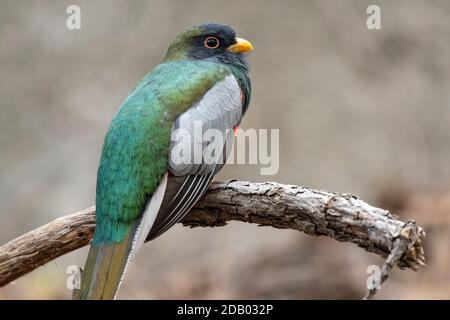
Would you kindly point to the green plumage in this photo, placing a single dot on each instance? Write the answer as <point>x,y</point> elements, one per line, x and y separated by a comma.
<point>135,150</point>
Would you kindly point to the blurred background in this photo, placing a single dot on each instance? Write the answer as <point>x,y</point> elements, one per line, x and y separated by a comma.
<point>359,111</point>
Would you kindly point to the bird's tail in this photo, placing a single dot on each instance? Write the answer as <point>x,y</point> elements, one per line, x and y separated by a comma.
<point>107,262</point>
<point>104,269</point>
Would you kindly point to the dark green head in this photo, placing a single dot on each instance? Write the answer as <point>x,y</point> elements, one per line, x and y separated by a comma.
<point>212,41</point>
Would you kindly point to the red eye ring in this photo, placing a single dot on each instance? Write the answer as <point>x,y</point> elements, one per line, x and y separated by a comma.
<point>212,42</point>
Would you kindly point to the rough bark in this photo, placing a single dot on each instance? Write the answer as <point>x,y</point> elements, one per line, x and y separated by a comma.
<point>343,217</point>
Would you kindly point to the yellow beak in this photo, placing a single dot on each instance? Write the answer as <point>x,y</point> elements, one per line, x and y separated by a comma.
<point>241,46</point>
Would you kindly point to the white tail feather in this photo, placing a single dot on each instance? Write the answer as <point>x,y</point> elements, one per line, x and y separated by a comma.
<point>147,220</point>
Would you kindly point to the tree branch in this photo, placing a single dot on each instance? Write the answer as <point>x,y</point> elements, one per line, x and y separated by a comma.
<point>343,217</point>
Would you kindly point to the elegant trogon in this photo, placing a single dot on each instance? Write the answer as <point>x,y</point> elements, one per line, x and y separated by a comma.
<point>142,190</point>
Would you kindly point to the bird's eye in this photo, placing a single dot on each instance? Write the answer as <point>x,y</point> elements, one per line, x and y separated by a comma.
<point>212,42</point>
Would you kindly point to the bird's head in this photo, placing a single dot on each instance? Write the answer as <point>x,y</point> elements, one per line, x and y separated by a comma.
<point>210,41</point>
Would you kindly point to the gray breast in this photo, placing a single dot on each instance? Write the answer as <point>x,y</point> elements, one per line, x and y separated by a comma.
<point>200,134</point>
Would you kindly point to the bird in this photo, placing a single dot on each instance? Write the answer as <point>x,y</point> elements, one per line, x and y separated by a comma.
<point>143,188</point>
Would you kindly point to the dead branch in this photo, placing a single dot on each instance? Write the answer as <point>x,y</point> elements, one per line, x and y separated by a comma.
<point>343,217</point>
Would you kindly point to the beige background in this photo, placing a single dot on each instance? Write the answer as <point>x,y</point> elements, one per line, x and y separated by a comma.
<point>366,112</point>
